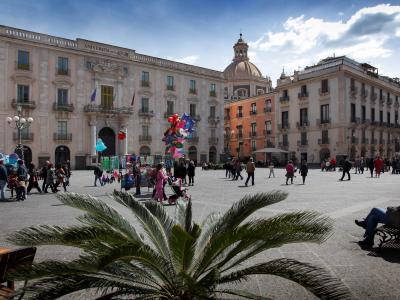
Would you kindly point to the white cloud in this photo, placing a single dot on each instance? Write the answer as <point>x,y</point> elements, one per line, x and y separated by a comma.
<point>340,13</point>
<point>191,59</point>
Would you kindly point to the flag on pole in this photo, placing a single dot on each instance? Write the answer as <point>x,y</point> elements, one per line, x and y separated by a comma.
<point>133,99</point>
<point>93,96</point>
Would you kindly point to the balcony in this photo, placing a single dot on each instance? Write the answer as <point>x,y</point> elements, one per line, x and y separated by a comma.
<point>269,144</point>
<point>196,118</point>
<point>239,115</point>
<point>63,107</point>
<point>323,122</point>
<point>193,91</point>
<point>170,87</point>
<point>354,141</point>
<point>213,120</point>
<point>283,145</point>
<point>353,90</point>
<point>145,83</point>
<point>25,136</point>
<point>62,136</point>
<point>144,113</point>
<point>365,121</point>
<point>252,134</point>
<point>364,141</point>
<point>382,100</point>
<point>63,72</point>
<point>284,126</point>
<point>364,94</point>
<point>213,140</point>
<point>323,141</point>
<point>323,92</point>
<point>284,99</point>
<point>302,96</point>
<point>168,114</point>
<point>213,94</point>
<point>253,112</point>
<point>396,104</point>
<point>355,121</point>
<point>265,132</point>
<point>24,104</point>
<point>194,139</point>
<point>302,143</point>
<point>382,142</point>
<point>302,125</point>
<point>227,118</point>
<point>239,136</point>
<point>374,141</point>
<point>23,67</point>
<point>102,109</point>
<point>145,138</point>
<point>267,109</point>
<point>374,123</point>
<point>389,101</point>
<point>373,97</point>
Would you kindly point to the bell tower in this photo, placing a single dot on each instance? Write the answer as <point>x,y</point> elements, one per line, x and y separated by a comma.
<point>240,49</point>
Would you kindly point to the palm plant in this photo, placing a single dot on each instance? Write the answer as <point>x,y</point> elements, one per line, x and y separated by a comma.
<point>173,258</point>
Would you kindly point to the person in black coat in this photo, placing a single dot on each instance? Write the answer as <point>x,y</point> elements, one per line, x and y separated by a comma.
<point>371,166</point>
<point>191,171</point>
<point>303,170</point>
<point>346,169</point>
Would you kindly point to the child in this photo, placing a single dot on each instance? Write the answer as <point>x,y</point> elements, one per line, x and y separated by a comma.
<point>12,182</point>
<point>271,170</point>
<point>21,189</point>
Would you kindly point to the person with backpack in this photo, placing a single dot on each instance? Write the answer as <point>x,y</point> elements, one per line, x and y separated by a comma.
<point>346,169</point>
<point>98,172</point>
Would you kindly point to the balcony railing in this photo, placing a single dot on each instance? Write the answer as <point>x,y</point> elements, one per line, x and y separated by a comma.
<point>93,108</point>
<point>302,96</point>
<point>196,118</point>
<point>353,90</point>
<point>323,121</point>
<point>23,67</point>
<point>213,120</point>
<point>283,145</point>
<point>63,107</point>
<point>364,141</point>
<point>382,100</point>
<point>389,101</point>
<point>168,114</point>
<point>145,138</point>
<point>213,94</point>
<point>374,141</point>
<point>284,126</point>
<point>23,104</point>
<point>323,92</point>
<point>302,143</point>
<point>252,134</point>
<point>145,83</point>
<point>227,118</point>
<point>57,136</point>
<point>213,140</point>
<point>267,109</point>
<point>284,99</point>
<point>239,115</point>
<point>303,124</point>
<point>193,91</point>
<point>267,131</point>
<point>355,120</point>
<point>170,87</point>
<point>364,94</point>
<point>323,141</point>
<point>382,142</point>
<point>239,136</point>
<point>146,113</point>
<point>24,136</point>
<point>365,121</point>
<point>253,112</point>
<point>373,97</point>
<point>354,140</point>
<point>63,72</point>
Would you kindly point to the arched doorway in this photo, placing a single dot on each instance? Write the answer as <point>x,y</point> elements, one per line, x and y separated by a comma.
<point>62,154</point>
<point>144,151</point>
<point>108,137</point>
<point>193,153</point>
<point>27,154</point>
<point>212,155</point>
<point>324,154</point>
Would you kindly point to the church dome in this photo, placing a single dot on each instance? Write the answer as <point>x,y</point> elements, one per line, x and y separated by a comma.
<point>241,68</point>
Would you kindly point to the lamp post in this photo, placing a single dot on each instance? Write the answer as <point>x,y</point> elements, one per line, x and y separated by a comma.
<point>229,135</point>
<point>18,122</point>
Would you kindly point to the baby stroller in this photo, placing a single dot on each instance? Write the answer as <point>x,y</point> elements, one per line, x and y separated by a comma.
<point>178,192</point>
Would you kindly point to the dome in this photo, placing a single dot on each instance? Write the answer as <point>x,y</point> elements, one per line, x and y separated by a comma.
<point>241,70</point>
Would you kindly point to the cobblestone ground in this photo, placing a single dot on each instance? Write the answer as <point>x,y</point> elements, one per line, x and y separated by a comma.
<point>369,276</point>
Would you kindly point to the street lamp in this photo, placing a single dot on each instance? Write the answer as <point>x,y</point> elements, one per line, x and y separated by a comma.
<point>228,135</point>
<point>18,122</point>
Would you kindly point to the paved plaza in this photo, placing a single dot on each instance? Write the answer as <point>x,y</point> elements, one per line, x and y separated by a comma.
<point>369,276</point>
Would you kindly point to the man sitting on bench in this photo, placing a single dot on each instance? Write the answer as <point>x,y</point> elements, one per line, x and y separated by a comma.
<point>390,217</point>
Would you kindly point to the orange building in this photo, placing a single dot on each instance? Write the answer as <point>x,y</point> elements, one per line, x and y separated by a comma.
<point>249,126</point>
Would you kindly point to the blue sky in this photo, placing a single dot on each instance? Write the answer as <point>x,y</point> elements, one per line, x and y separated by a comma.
<point>290,34</point>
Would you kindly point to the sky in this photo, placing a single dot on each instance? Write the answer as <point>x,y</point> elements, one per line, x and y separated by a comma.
<point>281,34</point>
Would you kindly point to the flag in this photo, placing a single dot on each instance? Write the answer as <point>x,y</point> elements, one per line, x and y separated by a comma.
<point>133,99</point>
<point>93,96</point>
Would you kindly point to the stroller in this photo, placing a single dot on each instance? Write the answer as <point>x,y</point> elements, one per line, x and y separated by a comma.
<point>178,192</point>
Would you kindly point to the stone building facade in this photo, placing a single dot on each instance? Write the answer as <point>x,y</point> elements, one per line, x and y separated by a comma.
<point>54,80</point>
<point>338,107</point>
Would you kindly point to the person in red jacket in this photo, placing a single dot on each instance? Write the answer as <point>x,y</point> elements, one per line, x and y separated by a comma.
<point>289,172</point>
<point>378,164</point>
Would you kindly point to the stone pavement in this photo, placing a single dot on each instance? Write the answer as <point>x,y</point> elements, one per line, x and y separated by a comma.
<point>369,276</point>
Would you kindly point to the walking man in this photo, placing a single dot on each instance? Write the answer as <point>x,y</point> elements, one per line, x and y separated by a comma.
<point>3,179</point>
<point>250,168</point>
<point>98,172</point>
<point>346,169</point>
<point>271,170</point>
<point>304,170</point>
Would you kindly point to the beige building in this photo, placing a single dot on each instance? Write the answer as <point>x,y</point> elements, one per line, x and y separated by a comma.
<point>53,79</point>
<point>338,107</point>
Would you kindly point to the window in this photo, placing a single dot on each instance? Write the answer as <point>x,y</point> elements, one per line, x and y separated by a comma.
<point>352,84</point>
<point>253,108</point>
<point>268,126</point>
<point>242,93</point>
<point>363,88</point>
<point>387,96</point>
<point>324,86</point>
<point>325,113</point>
<point>373,137</point>
<point>268,105</point>
<point>213,91</point>
<point>253,145</point>
<point>212,112</point>
<point>192,110</point>
<point>62,66</point>
<point>240,112</point>
<point>303,116</point>
<point>170,107</point>
<point>145,79</point>
<point>303,90</point>
<point>285,94</point>
<point>380,94</point>
<point>303,138</point>
<point>285,119</point>
<point>62,128</point>
<point>240,131</point>
<point>396,117</point>
<point>285,140</point>
<point>253,129</point>
<point>225,93</point>
<point>145,130</point>
<point>62,96</point>
<point>325,136</point>
<point>380,116</point>
<point>372,114</point>
<point>363,138</point>
<point>145,105</point>
<point>170,83</point>
<point>107,96</point>
<point>192,86</point>
<point>23,60</point>
<point>22,93</point>
<point>363,113</point>
<point>212,132</point>
<point>388,117</point>
<point>352,112</point>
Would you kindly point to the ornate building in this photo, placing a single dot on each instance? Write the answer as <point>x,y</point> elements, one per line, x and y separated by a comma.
<point>338,107</point>
<point>53,80</point>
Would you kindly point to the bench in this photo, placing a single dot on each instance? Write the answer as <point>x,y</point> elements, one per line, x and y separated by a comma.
<point>388,235</point>
<point>9,261</point>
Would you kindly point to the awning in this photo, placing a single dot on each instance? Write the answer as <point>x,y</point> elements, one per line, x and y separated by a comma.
<point>270,150</point>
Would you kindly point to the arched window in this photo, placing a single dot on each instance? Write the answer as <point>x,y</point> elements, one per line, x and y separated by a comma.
<point>242,93</point>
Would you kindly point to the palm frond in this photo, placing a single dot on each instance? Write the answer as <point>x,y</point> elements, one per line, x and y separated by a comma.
<point>150,223</point>
<point>315,279</point>
<point>182,246</point>
<point>242,294</point>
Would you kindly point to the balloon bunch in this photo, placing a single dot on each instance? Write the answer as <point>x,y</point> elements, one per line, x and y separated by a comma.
<point>180,130</point>
<point>121,135</point>
<point>100,147</point>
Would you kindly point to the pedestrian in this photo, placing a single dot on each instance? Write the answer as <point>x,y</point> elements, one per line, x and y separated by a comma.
<point>3,179</point>
<point>60,177</point>
<point>250,168</point>
<point>98,173</point>
<point>289,172</point>
<point>233,168</point>
<point>238,167</point>
<point>357,165</point>
<point>303,170</point>
<point>33,179</point>
<point>50,178</point>
<point>362,165</point>
<point>371,166</point>
<point>43,173</point>
<point>67,169</point>
<point>138,178</point>
<point>12,182</point>
<point>271,170</point>
<point>21,195</point>
<point>227,167</point>
<point>160,180</point>
<point>346,169</point>
<point>21,170</point>
<point>378,164</point>
<point>191,172</point>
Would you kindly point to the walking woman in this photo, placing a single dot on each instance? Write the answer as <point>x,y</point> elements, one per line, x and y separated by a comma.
<point>289,172</point>
<point>33,179</point>
<point>160,179</point>
<point>50,178</point>
<point>191,170</point>
<point>60,177</point>
<point>303,171</point>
